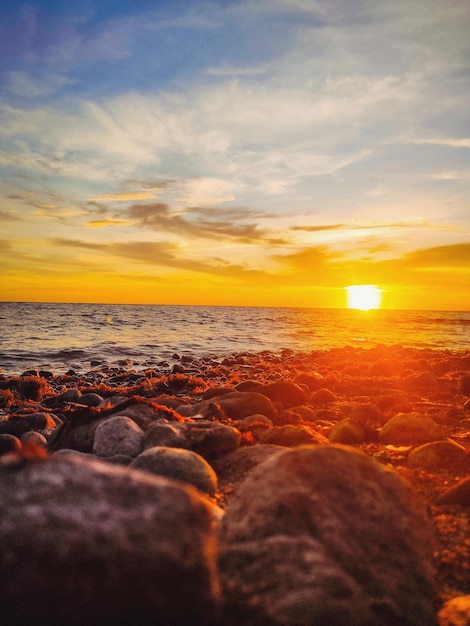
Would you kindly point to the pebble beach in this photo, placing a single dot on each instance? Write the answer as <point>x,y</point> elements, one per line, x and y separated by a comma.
<point>321,487</point>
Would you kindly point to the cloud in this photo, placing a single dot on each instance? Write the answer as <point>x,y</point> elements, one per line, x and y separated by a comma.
<point>150,185</point>
<point>8,216</point>
<point>230,71</point>
<point>123,197</point>
<point>452,176</point>
<point>167,255</point>
<point>413,223</point>
<point>322,265</point>
<point>309,259</point>
<point>76,243</point>
<point>456,255</point>
<point>105,223</point>
<point>315,229</point>
<point>452,143</point>
<point>23,84</point>
<point>161,217</point>
<point>163,254</point>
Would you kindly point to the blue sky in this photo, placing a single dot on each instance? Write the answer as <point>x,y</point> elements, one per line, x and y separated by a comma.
<point>246,152</point>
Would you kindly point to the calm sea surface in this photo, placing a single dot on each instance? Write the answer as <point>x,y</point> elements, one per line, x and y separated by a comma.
<point>60,336</point>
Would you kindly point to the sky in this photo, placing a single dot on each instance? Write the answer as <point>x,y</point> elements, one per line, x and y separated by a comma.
<point>235,152</point>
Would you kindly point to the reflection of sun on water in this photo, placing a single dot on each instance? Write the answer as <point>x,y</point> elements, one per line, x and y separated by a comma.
<point>364,297</point>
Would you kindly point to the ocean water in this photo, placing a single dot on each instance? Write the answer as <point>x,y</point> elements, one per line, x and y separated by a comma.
<point>58,337</point>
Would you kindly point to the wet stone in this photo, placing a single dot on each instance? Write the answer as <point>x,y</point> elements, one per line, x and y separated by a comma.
<point>326,535</point>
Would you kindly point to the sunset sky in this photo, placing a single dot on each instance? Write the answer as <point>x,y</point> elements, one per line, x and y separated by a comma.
<point>257,152</point>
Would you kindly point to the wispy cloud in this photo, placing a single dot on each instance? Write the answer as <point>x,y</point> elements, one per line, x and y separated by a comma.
<point>23,84</point>
<point>123,197</point>
<point>230,71</point>
<point>8,216</point>
<point>106,223</point>
<point>452,143</point>
<point>366,225</point>
<point>194,222</point>
<point>452,176</point>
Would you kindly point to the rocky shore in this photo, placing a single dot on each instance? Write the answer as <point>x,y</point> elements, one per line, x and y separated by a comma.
<point>322,488</point>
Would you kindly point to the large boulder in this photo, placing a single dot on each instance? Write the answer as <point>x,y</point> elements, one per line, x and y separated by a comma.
<point>326,535</point>
<point>84,542</point>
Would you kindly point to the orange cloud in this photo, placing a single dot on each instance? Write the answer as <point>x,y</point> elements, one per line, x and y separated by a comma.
<point>104,223</point>
<point>123,197</point>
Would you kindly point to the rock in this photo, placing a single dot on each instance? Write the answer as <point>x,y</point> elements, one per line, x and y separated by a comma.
<point>91,399</point>
<point>256,424</point>
<point>118,435</point>
<point>75,454</point>
<point>214,392</point>
<point>211,439</point>
<point>32,435</point>
<point>439,455</point>
<point>367,415</point>
<point>312,380</point>
<point>208,438</point>
<point>19,424</point>
<point>457,494</point>
<point>165,434</point>
<point>287,416</point>
<point>84,542</point>
<point>80,436</point>
<point>70,395</point>
<point>464,385</point>
<point>291,435</point>
<point>425,380</point>
<point>144,414</point>
<point>323,396</point>
<point>455,612</point>
<point>236,405</point>
<point>183,465</point>
<point>305,412</point>
<point>234,467</point>
<point>386,367</point>
<point>410,429</point>
<point>347,431</point>
<point>9,443</point>
<point>250,385</point>
<point>326,535</point>
<point>287,393</point>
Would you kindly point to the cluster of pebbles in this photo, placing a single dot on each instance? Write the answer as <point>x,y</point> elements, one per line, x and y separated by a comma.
<point>322,488</point>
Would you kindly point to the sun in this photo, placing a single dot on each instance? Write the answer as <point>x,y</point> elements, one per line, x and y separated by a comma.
<point>364,297</point>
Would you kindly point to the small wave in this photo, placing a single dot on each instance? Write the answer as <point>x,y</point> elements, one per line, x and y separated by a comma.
<point>66,354</point>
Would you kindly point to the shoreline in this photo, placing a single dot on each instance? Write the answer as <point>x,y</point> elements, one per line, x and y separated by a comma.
<point>313,395</point>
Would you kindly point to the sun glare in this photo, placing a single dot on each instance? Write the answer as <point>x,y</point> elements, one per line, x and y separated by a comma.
<point>364,297</point>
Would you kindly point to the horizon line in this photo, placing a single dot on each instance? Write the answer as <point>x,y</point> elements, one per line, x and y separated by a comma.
<point>247,306</point>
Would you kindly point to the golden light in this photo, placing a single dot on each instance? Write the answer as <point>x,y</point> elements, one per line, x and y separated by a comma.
<point>364,297</point>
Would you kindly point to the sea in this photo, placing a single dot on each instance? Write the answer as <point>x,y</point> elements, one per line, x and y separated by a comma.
<point>62,336</point>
